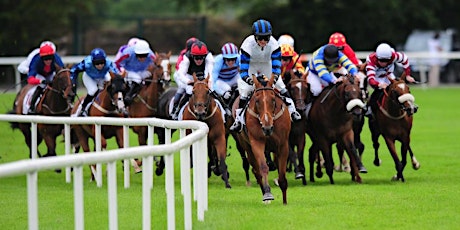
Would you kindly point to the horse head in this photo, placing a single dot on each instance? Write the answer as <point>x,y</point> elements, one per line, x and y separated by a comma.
<point>352,95</point>
<point>59,96</point>
<point>264,105</point>
<point>164,62</point>
<point>116,90</point>
<point>299,90</point>
<point>62,83</point>
<point>201,98</point>
<point>398,91</point>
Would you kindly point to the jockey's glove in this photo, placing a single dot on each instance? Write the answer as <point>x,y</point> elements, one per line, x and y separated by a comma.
<point>248,80</point>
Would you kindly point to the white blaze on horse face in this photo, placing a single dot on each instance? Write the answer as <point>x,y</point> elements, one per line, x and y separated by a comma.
<point>166,74</point>
<point>266,117</point>
<point>299,86</point>
<point>120,102</point>
<point>402,85</point>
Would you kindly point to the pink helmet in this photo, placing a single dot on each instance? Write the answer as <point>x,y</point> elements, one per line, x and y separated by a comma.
<point>229,50</point>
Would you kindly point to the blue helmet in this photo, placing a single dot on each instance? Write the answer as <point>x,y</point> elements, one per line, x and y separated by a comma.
<point>98,55</point>
<point>261,27</point>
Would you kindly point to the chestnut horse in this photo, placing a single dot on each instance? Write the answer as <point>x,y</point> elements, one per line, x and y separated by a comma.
<point>331,121</point>
<point>300,93</point>
<point>56,100</point>
<point>108,103</point>
<point>393,120</point>
<point>203,107</point>
<point>268,124</point>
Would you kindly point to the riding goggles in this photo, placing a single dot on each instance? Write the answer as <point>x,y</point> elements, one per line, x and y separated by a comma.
<point>200,57</point>
<point>263,37</point>
<point>47,57</point>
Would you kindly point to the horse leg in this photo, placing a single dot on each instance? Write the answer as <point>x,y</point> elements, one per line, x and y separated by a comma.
<point>398,165</point>
<point>312,156</point>
<point>375,141</point>
<point>327,154</point>
<point>270,163</point>
<point>352,152</point>
<point>245,162</point>
<point>222,155</point>
<point>282,155</point>
<point>261,167</point>
<point>300,172</point>
<point>415,163</point>
<point>343,161</point>
<point>161,163</point>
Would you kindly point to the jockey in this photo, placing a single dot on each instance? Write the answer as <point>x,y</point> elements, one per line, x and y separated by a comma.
<point>339,40</point>
<point>260,54</point>
<point>188,46</point>
<point>131,42</point>
<point>23,67</point>
<point>201,65</point>
<point>379,68</point>
<point>225,73</point>
<point>322,65</point>
<point>42,70</point>
<point>95,68</point>
<point>136,61</point>
<point>288,57</point>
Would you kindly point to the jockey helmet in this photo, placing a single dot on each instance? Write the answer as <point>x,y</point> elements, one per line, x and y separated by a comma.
<point>286,39</point>
<point>48,43</point>
<point>132,41</point>
<point>337,39</point>
<point>229,50</point>
<point>98,56</point>
<point>189,42</point>
<point>331,53</point>
<point>46,50</point>
<point>142,47</point>
<point>199,49</point>
<point>261,27</point>
<point>287,50</point>
<point>384,51</point>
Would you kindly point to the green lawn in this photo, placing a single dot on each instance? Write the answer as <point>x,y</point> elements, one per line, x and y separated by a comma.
<point>427,200</point>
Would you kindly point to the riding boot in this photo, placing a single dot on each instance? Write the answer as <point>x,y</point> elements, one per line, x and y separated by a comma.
<point>35,96</point>
<point>84,111</point>
<point>182,102</point>
<point>132,93</point>
<point>295,116</point>
<point>175,106</point>
<point>237,125</point>
<point>221,99</point>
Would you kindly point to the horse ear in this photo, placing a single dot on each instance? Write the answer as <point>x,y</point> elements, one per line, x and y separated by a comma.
<point>256,81</point>
<point>156,54</point>
<point>272,79</point>
<point>207,78</point>
<point>195,79</point>
<point>58,68</point>
<point>112,74</point>
<point>169,54</point>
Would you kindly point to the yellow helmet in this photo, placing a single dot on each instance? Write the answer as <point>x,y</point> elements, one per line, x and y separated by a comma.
<point>287,50</point>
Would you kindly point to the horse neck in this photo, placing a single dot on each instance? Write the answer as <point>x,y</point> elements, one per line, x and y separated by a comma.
<point>53,102</point>
<point>391,105</point>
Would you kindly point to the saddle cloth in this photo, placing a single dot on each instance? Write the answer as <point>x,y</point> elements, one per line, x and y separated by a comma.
<point>27,100</point>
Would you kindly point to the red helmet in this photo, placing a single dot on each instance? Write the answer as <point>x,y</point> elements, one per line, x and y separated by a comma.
<point>337,39</point>
<point>199,49</point>
<point>46,50</point>
<point>189,42</point>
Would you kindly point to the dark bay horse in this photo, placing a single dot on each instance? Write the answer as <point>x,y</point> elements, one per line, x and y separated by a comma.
<point>55,101</point>
<point>300,94</point>
<point>108,103</point>
<point>393,120</point>
<point>331,121</point>
<point>268,124</point>
<point>203,107</point>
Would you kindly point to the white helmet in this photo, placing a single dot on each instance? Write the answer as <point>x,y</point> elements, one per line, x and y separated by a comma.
<point>132,41</point>
<point>384,51</point>
<point>286,39</point>
<point>141,47</point>
<point>48,43</point>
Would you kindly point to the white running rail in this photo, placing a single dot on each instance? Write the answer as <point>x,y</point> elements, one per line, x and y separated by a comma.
<point>197,139</point>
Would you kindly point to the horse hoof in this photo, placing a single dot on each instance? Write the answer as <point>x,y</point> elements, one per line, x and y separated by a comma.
<point>362,169</point>
<point>319,175</point>
<point>276,182</point>
<point>228,186</point>
<point>299,176</point>
<point>268,197</point>
<point>248,183</point>
<point>416,166</point>
<point>159,171</point>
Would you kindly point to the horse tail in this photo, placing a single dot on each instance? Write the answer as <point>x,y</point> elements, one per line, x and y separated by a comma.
<point>13,125</point>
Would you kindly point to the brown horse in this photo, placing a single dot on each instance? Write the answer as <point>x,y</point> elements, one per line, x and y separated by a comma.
<point>270,124</point>
<point>393,120</point>
<point>202,107</point>
<point>330,121</point>
<point>300,93</point>
<point>108,103</point>
<point>56,101</point>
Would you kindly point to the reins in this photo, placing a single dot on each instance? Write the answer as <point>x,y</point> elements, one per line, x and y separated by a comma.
<point>385,112</point>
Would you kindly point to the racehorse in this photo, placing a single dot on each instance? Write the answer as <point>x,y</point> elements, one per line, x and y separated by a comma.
<point>164,61</point>
<point>330,121</point>
<point>270,124</point>
<point>300,93</point>
<point>108,103</point>
<point>393,120</point>
<point>56,101</point>
<point>202,107</point>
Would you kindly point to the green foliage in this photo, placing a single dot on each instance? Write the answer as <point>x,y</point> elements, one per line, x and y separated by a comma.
<point>427,200</point>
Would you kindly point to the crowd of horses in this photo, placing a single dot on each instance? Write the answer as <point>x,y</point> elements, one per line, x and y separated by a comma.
<point>335,117</point>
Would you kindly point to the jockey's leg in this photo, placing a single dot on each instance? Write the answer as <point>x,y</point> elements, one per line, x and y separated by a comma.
<point>372,100</point>
<point>176,100</point>
<point>84,111</point>
<point>295,116</point>
<point>237,125</point>
<point>33,100</point>
<point>181,103</point>
<point>132,93</point>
